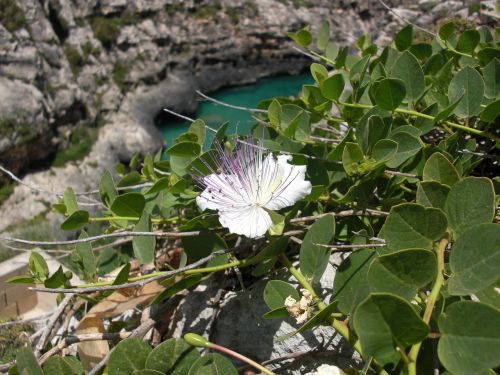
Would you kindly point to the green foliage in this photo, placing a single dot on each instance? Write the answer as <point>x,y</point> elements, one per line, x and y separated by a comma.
<point>11,340</point>
<point>75,60</point>
<point>120,72</point>
<point>80,143</point>
<point>397,144</point>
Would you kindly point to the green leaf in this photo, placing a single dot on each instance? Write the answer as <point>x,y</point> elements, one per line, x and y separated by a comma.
<point>470,83</point>
<point>199,129</point>
<point>129,355</point>
<point>358,70</point>
<point>475,259</point>
<point>408,146</point>
<point>56,280</point>
<point>332,87</point>
<point>70,201</point>
<point>315,320</point>
<point>160,185</point>
<point>122,276</point>
<point>181,156</point>
<point>144,246</point>
<point>432,194</point>
<point>412,226</point>
<point>403,38</point>
<point>129,205</point>
<point>447,31</point>
<point>323,35</point>
<point>278,223</point>
<point>352,157</point>
<point>86,256</point>
<point>212,364</point>
<point>402,272</point>
<point>133,178</point>
<point>27,363</point>
<point>280,312</point>
<point>276,292</point>
<point>75,365</point>
<point>470,201</point>
<point>57,366</point>
<point>409,71</point>
<point>438,168</point>
<point>197,247</point>
<point>302,37</point>
<point>107,189</point>
<point>350,286</point>
<point>372,127</point>
<point>388,93</point>
<point>313,258</point>
<point>491,74</point>
<point>274,113</point>
<point>21,280</point>
<point>319,72</point>
<point>76,220</point>
<point>445,113</point>
<point>384,150</point>
<point>38,266</point>
<point>332,50</point>
<point>384,322</point>
<point>173,356</point>
<point>468,41</point>
<point>490,295</point>
<point>491,112</point>
<point>470,338</point>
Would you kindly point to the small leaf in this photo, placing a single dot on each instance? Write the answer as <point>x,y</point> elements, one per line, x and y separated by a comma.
<point>179,286</point>
<point>409,71</point>
<point>323,35</point>
<point>107,189</point>
<point>332,87</point>
<point>199,129</point>
<point>274,113</point>
<point>212,363</point>
<point>384,150</point>
<point>144,246</point>
<point>86,255</point>
<point>70,201</point>
<point>402,272</point>
<point>384,322</point>
<point>447,31</point>
<point>438,168</point>
<point>332,50</point>
<point>278,223</point>
<point>302,37</point>
<point>432,194</point>
<point>469,83</point>
<point>38,266</point>
<point>491,74</point>
<point>160,185</point>
<point>408,146</point>
<point>470,201</point>
<point>388,93</point>
<point>173,356</point>
<point>27,363</point>
<point>319,72</point>
<point>412,226</point>
<point>475,259</point>
<point>468,41</point>
<point>276,292</point>
<point>280,312</point>
<point>403,38</point>
<point>470,338</point>
<point>129,355</point>
<point>21,280</point>
<point>133,178</point>
<point>57,366</point>
<point>56,280</point>
<point>352,157</point>
<point>78,219</point>
<point>129,205</point>
<point>350,286</point>
<point>490,295</point>
<point>491,112</point>
<point>314,258</point>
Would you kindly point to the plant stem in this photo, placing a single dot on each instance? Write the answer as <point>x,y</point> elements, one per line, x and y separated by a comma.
<point>431,301</point>
<point>481,133</point>
<point>338,325</point>
<point>241,358</point>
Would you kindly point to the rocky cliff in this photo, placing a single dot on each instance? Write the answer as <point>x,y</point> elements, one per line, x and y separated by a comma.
<point>112,65</point>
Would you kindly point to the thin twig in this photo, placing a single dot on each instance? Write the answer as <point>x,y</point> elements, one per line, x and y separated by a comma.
<point>402,174</point>
<point>50,325</point>
<point>138,283</point>
<point>23,321</point>
<point>350,247</point>
<point>74,339</point>
<point>102,236</point>
<point>346,213</point>
<point>405,20</point>
<point>230,105</point>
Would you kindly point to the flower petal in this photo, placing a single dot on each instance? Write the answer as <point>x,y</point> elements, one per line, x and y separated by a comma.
<point>292,187</point>
<point>252,221</point>
<point>222,192</point>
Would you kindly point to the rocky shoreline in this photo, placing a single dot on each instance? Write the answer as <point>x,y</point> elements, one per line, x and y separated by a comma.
<point>114,64</point>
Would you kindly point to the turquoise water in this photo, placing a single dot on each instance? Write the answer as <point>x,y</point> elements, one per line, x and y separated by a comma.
<point>247,96</point>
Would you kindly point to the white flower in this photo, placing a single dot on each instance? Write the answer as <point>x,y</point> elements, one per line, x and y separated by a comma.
<point>327,370</point>
<point>247,184</point>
